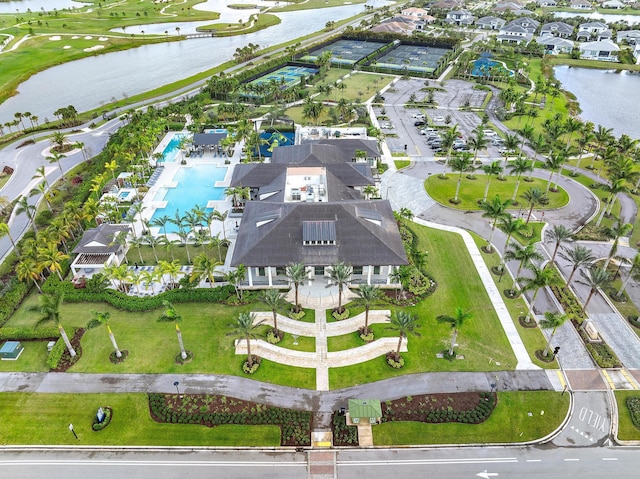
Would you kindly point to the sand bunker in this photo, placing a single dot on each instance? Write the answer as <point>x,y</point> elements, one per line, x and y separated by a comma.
<point>66,47</point>
<point>88,37</point>
<point>103,39</point>
<point>55,38</point>
<point>75,37</point>
<point>94,48</point>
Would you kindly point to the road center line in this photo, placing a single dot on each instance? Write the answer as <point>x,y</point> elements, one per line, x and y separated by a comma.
<point>534,460</point>
<point>609,458</point>
<point>572,460</point>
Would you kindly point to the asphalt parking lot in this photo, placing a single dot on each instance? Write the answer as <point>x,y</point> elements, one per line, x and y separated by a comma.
<point>402,134</point>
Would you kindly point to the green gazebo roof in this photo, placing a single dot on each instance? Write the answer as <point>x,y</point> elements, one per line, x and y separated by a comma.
<point>365,408</point>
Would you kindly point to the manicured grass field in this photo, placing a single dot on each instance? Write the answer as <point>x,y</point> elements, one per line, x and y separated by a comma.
<point>401,164</point>
<point>153,345</point>
<point>536,227</point>
<point>626,430</point>
<point>43,419</point>
<point>471,191</point>
<point>509,422</point>
<point>482,340</point>
<point>352,340</point>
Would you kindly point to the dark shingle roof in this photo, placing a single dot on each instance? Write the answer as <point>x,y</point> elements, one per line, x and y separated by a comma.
<point>100,239</point>
<point>361,238</point>
<point>208,139</point>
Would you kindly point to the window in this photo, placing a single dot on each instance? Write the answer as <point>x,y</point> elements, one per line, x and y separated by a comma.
<point>376,270</point>
<point>357,270</point>
<point>261,271</point>
<point>318,270</point>
<point>281,271</point>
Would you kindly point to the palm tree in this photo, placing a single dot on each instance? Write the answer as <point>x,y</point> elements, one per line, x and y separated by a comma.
<point>161,221</point>
<point>152,241</point>
<point>534,196</point>
<point>462,164</point>
<point>30,269</point>
<point>577,257</point>
<point>595,278</point>
<point>401,275</point>
<point>494,168</point>
<point>56,157</point>
<point>517,168</point>
<point>523,254</point>
<point>205,267</point>
<point>274,299</point>
<point>552,321</point>
<point>296,273</point>
<point>510,226</point>
<point>478,142</point>
<point>235,278</point>
<point>23,206</point>
<point>340,273</point>
<point>368,295</point>
<point>456,321</point>
<point>49,311</point>
<point>494,209</point>
<point>542,277</point>
<point>170,314</point>
<point>6,231</point>
<point>447,141</point>
<point>170,268</point>
<point>100,318</point>
<point>635,264</point>
<point>51,258</point>
<point>554,163</point>
<point>559,234</point>
<point>613,188</point>
<point>404,323</point>
<point>246,327</point>
<point>616,232</point>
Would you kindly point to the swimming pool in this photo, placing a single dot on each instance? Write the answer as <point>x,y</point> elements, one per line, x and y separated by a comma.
<point>484,67</point>
<point>195,186</point>
<point>170,151</point>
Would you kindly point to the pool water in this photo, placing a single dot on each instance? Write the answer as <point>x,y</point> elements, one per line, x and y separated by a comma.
<point>484,68</point>
<point>170,151</point>
<point>194,187</point>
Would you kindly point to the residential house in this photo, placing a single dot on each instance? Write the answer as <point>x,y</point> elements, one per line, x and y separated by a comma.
<point>413,12</point>
<point>554,45</point>
<point>490,23</point>
<point>518,31</point>
<point>99,247</point>
<point>556,29</point>
<point>580,5</point>
<point>448,5</point>
<point>460,17</point>
<point>401,25</point>
<point>547,3</point>
<point>603,50</point>
<point>630,37</point>
<point>613,4</point>
<point>595,31</point>
<point>306,206</point>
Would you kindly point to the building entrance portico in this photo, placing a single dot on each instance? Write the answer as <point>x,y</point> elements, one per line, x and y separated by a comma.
<point>319,292</point>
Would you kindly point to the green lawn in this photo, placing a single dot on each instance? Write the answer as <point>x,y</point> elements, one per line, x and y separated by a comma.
<point>179,252</point>
<point>43,419</point>
<point>352,340</point>
<point>536,229</point>
<point>626,430</point>
<point>401,164</point>
<point>532,338</point>
<point>153,346</point>
<point>359,86</point>
<point>471,191</point>
<point>482,340</point>
<point>509,422</point>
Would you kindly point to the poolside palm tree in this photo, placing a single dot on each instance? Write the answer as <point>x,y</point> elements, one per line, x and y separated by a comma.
<point>205,268</point>
<point>456,321</point>
<point>152,241</point>
<point>49,311</point>
<point>616,232</point>
<point>534,197</point>
<point>149,277</point>
<point>246,327</point>
<point>462,164</point>
<point>493,168</point>
<point>340,274</point>
<point>517,168</point>
<point>170,314</point>
<point>404,323</point>
<point>494,209</point>
<point>368,295</point>
<point>221,217</point>
<point>170,268</point>
<point>552,321</point>
<point>542,277</point>
<point>595,279</point>
<point>168,245</point>
<point>161,221</point>
<point>100,318</point>
<point>523,254</point>
<point>184,240</point>
<point>274,299</point>
<point>559,234</point>
<point>296,273</point>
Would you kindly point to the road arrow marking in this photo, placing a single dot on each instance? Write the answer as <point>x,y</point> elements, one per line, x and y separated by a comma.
<point>486,475</point>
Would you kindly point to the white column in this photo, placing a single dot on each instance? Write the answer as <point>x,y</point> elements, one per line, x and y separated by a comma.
<point>270,276</point>
<point>369,272</point>
<point>389,274</point>
<point>250,276</point>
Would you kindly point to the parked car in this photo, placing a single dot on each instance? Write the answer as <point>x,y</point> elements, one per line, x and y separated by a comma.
<point>438,118</point>
<point>419,116</point>
<point>489,133</point>
<point>497,141</point>
<point>435,139</point>
<point>419,123</point>
<point>386,125</point>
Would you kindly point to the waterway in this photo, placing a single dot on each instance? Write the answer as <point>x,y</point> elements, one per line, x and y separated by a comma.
<point>94,81</point>
<point>606,17</point>
<point>606,97</point>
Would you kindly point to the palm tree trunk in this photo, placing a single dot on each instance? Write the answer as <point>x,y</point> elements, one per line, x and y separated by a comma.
<point>249,357</point>
<point>573,271</point>
<point>295,306</point>
<point>458,188</point>
<point>527,319</point>
<point>40,290</point>
<point>622,288</point>
<point>399,344</point>
<point>453,341</point>
<point>183,353</point>
<point>586,303</point>
<point>486,190</point>
<point>113,341</point>
<point>548,347</point>
<point>275,321</point>
<point>515,191</point>
<point>140,255</point>
<point>65,338</point>
<point>365,331</point>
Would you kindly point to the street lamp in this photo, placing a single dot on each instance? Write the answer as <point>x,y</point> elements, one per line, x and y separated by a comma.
<point>73,431</point>
<point>176,384</point>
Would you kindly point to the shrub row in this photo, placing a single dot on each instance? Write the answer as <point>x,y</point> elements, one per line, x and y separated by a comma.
<point>633,403</point>
<point>24,333</point>
<point>568,301</point>
<point>343,435</point>
<point>295,426</point>
<point>422,412</point>
<point>601,353</point>
<point>55,355</point>
<point>10,298</point>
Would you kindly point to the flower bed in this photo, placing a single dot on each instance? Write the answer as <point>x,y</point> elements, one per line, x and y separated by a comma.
<point>212,410</point>
<point>469,408</point>
<point>633,403</point>
<point>343,435</point>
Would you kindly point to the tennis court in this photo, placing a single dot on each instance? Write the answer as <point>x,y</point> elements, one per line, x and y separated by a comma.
<point>415,58</point>
<point>345,52</point>
<point>288,75</point>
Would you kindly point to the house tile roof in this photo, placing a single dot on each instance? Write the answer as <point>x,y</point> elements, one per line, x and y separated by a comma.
<point>560,28</point>
<point>100,240</point>
<point>602,46</point>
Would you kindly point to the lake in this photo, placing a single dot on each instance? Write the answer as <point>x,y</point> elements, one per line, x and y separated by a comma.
<point>606,17</point>
<point>93,81</point>
<point>607,97</point>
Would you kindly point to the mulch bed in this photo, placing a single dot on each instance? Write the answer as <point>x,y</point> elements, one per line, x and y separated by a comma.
<point>531,324</point>
<point>417,408</point>
<point>67,361</point>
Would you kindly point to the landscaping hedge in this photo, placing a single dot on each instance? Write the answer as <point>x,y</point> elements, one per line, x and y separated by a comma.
<point>633,403</point>
<point>55,355</point>
<point>24,333</point>
<point>10,298</point>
